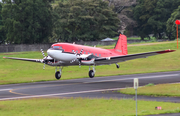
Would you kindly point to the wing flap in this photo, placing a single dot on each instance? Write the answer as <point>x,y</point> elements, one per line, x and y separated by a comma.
<point>116,59</point>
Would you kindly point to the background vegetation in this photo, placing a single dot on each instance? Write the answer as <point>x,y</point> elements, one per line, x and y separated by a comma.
<point>87,20</point>
<point>42,21</point>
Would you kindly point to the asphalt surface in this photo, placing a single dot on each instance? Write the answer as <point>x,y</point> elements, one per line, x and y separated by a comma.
<point>98,87</point>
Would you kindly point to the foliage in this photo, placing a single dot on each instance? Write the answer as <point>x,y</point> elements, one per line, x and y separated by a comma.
<point>171,26</point>
<point>27,21</point>
<point>2,32</point>
<point>84,20</point>
<point>151,16</point>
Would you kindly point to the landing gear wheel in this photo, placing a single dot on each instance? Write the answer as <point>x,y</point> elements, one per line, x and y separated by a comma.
<point>117,65</point>
<point>58,75</point>
<point>91,74</point>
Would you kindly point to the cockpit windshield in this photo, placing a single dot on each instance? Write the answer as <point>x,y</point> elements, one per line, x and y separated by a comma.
<point>56,47</point>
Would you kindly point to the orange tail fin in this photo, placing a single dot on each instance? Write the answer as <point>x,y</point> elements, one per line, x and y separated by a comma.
<point>121,45</point>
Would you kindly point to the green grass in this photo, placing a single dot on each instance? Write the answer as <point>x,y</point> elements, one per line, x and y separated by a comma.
<point>13,71</point>
<point>168,90</point>
<point>137,38</point>
<point>128,38</point>
<point>83,107</point>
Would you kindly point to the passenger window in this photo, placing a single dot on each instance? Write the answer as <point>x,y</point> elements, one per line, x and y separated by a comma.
<point>95,54</point>
<point>99,54</point>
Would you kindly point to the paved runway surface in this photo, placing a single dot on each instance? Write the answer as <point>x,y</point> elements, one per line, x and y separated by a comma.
<point>97,87</point>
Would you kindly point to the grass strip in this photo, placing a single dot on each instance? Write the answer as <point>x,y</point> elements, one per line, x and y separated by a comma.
<point>12,71</point>
<point>83,107</point>
<point>167,90</point>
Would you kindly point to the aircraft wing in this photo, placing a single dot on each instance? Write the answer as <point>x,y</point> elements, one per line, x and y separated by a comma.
<point>25,59</point>
<point>116,59</point>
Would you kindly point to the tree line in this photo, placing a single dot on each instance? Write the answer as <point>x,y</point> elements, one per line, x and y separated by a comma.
<point>156,17</point>
<point>38,21</point>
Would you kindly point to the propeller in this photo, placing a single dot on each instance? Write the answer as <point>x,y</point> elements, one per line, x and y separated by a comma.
<point>43,58</point>
<point>43,52</point>
<point>78,57</point>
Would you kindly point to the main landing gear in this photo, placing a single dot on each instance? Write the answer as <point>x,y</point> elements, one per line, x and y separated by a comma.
<point>92,72</point>
<point>117,66</point>
<point>58,73</point>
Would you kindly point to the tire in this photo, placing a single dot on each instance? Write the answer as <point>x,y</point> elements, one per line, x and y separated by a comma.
<point>91,74</point>
<point>117,66</point>
<point>58,75</point>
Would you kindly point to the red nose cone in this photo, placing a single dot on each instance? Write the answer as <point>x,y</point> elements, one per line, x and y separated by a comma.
<point>177,22</point>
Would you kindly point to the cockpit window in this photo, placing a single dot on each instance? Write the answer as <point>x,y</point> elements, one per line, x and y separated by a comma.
<point>57,47</point>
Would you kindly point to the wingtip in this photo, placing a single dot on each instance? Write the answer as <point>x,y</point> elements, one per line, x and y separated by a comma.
<point>4,57</point>
<point>165,51</point>
<point>170,50</point>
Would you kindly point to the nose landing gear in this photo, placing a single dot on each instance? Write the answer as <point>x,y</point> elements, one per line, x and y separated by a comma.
<point>58,73</point>
<point>117,66</point>
<point>92,72</point>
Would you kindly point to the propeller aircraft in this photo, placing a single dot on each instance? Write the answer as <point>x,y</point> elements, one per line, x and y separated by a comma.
<point>67,54</point>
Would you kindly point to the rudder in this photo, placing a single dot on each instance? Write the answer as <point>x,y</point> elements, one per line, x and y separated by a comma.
<point>121,45</point>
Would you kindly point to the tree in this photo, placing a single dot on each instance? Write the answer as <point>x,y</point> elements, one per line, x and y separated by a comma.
<point>27,21</point>
<point>171,26</point>
<point>2,32</point>
<point>84,20</point>
<point>124,9</point>
<point>151,16</point>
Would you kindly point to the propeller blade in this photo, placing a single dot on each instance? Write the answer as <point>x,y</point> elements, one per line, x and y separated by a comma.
<point>43,61</point>
<point>81,51</point>
<point>43,53</point>
<point>79,63</point>
<point>44,66</point>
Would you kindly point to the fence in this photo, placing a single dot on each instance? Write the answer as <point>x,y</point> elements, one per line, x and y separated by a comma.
<point>37,47</point>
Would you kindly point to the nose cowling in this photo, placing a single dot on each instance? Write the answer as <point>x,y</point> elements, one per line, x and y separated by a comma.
<point>59,55</point>
<point>49,52</point>
<point>54,53</point>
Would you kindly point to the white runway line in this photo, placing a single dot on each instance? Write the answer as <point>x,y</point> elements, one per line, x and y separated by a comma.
<point>5,89</point>
<point>90,91</point>
<point>58,94</point>
<point>159,76</point>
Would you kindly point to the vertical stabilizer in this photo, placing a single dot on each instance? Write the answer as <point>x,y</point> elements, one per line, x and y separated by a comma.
<point>121,45</point>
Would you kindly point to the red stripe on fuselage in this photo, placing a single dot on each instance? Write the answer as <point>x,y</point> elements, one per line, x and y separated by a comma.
<point>67,47</point>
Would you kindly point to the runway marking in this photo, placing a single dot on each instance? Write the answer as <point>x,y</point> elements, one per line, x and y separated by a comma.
<point>159,76</point>
<point>5,89</point>
<point>12,90</point>
<point>59,94</point>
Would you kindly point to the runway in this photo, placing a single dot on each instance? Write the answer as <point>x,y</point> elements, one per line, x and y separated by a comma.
<point>98,87</point>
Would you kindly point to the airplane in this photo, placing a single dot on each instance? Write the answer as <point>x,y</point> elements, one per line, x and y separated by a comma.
<point>70,54</point>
